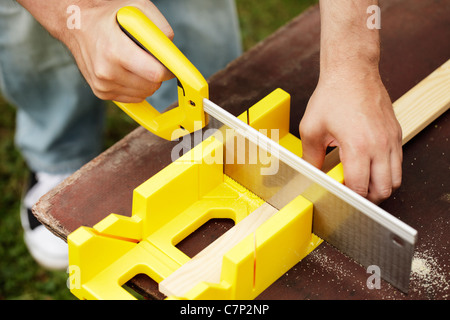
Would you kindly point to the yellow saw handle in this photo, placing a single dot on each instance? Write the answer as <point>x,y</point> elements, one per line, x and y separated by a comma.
<point>192,87</point>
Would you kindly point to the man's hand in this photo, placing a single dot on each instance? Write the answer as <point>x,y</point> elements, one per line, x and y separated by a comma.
<point>113,65</point>
<point>356,115</point>
<point>350,107</point>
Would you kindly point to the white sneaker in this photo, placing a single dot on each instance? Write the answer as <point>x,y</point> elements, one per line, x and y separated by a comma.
<point>50,251</point>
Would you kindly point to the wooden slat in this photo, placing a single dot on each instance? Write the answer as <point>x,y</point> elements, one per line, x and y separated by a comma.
<point>207,265</point>
<point>424,103</point>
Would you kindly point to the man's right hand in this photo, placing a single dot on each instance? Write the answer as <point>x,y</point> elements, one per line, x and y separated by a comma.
<point>113,65</point>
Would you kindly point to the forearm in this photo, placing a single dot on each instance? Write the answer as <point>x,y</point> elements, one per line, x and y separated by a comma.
<point>52,14</point>
<point>347,44</point>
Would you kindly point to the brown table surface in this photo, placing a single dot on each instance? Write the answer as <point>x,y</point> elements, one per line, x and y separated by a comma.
<point>415,41</point>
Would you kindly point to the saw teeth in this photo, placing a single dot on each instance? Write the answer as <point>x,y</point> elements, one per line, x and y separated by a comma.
<point>241,189</point>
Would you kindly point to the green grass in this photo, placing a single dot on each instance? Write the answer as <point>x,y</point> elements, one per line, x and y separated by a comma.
<point>259,19</point>
<point>20,276</point>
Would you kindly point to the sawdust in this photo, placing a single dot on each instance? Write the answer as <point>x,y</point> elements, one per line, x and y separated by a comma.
<point>329,265</point>
<point>428,277</point>
<point>338,269</point>
<point>429,270</point>
<point>429,280</point>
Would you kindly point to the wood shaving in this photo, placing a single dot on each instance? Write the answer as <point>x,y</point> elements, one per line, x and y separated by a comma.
<point>428,277</point>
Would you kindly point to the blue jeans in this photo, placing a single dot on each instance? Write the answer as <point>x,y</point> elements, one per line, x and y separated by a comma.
<point>59,120</point>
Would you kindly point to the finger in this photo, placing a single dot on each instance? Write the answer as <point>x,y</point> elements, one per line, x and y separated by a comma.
<point>356,171</point>
<point>136,95</point>
<point>153,13</point>
<point>109,90</point>
<point>141,87</point>
<point>380,187</point>
<point>396,168</point>
<point>145,66</point>
<point>140,62</point>
<point>313,146</point>
<point>313,152</point>
<point>127,99</point>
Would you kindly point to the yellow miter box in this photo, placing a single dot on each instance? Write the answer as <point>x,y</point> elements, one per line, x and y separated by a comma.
<point>179,199</point>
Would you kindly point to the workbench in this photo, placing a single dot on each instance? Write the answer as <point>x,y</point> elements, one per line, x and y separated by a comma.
<point>415,41</point>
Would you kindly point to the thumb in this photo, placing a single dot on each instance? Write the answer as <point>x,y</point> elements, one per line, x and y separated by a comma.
<point>314,151</point>
<point>313,134</point>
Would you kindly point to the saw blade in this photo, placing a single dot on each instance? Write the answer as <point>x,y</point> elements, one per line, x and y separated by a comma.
<point>349,222</point>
